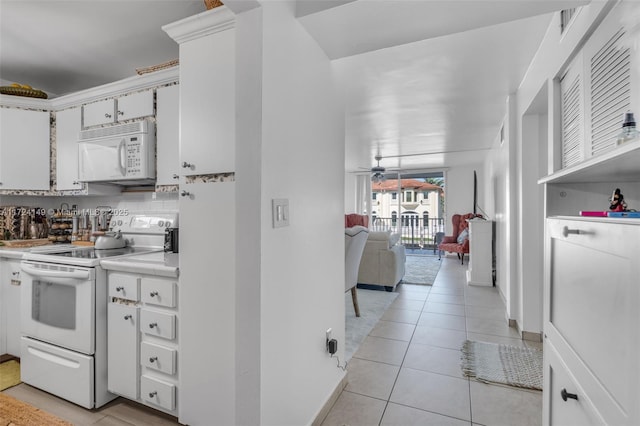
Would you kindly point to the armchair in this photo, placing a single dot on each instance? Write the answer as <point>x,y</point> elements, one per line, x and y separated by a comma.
<point>458,242</point>
<point>354,241</point>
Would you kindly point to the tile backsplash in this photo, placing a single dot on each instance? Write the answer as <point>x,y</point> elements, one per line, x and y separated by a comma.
<point>133,201</point>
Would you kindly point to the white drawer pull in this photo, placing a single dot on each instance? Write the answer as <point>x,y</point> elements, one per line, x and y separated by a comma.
<point>566,231</point>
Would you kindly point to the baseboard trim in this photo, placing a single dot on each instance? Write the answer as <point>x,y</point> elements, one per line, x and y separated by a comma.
<point>531,336</point>
<point>332,400</point>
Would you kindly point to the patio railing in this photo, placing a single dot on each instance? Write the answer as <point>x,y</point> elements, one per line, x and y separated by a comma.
<point>415,231</point>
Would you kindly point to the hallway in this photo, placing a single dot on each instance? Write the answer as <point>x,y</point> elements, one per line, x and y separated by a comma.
<point>407,371</point>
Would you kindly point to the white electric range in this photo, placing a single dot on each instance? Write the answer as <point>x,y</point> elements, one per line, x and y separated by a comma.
<point>64,309</point>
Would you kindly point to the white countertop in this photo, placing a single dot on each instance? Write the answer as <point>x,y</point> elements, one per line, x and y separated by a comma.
<point>157,263</point>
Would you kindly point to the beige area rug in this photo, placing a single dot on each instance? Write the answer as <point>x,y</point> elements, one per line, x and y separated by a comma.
<point>9,374</point>
<point>498,363</point>
<point>421,269</point>
<point>373,304</point>
<point>18,413</point>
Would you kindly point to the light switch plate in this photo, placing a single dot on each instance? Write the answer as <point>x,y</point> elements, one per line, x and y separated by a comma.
<point>280,212</point>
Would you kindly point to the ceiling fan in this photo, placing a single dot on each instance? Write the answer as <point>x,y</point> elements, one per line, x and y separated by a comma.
<point>377,172</point>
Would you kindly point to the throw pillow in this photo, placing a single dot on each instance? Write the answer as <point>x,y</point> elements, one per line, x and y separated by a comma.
<point>463,236</point>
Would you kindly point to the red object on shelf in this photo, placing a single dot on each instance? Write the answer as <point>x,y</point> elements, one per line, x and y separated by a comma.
<point>593,213</point>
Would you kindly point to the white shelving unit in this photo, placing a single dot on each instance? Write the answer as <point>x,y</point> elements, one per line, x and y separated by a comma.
<point>591,293</point>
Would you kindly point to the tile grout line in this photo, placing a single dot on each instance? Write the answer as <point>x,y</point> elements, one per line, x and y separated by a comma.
<point>395,381</point>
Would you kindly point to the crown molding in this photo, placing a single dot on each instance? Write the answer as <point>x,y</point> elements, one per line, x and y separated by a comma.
<point>118,88</point>
<point>200,25</point>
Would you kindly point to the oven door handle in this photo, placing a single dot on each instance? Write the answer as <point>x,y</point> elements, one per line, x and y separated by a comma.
<point>58,276</point>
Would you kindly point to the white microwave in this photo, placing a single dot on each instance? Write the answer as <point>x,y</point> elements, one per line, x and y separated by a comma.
<point>122,154</point>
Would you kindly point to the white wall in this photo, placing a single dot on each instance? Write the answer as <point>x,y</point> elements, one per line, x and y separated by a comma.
<point>302,269</point>
<point>514,225</point>
<point>458,191</point>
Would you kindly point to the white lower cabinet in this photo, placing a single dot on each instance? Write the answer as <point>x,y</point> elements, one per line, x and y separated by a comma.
<point>10,282</point>
<point>143,341</point>
<point>591,322</point>
<point>122,357</point>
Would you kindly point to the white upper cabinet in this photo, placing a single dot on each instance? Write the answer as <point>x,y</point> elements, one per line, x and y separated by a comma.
<point>68,126</point>
<point>207,104</point>
<point>135,105</point>
<point>24,149</point>
<point>168,135</point>
<point>128,107</point>
<point>102,112</point>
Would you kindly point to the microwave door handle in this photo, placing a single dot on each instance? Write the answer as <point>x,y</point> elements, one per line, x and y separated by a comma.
<point>57,275</point>
<point>122,165</point>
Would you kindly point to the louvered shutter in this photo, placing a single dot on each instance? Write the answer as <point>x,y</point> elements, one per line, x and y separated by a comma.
<point>572,120</point>
<point>610,93</point>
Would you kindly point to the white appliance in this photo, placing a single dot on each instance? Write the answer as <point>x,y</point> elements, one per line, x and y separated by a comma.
<point>64,310</point>
<point>123,154</point>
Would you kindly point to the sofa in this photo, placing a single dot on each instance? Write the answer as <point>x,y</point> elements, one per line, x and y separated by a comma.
<point>355,238</point>
<point>382,261</point>
<point>458,242</point>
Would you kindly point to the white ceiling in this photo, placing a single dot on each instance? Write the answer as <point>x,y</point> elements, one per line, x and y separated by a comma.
<point>427,77</point>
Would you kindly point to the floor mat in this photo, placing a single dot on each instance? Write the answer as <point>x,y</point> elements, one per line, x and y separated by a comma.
<point>9,374</point>
<point>420,269</point>
<point>15,412</point>
<point>505,364</point>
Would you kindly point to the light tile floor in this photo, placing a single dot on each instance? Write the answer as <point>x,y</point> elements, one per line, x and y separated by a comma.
<point>407,371</point>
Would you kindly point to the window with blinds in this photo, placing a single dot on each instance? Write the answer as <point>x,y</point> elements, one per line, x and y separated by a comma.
<point>572,120</point>
<point>610,93</point>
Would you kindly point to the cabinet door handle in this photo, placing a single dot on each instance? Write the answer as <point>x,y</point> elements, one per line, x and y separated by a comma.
<point>175,176</point>
<point>119,288</point>
<point>153,359</point>
<point>152,394</point>
<point>153,294</point>
<point>120,113</point>
<point>566,231</point>
<point>107,115</point>
<point>185,193</point>
<point>186,165</point>
<point>153,325</point>
<point>15,273</point>
<point>128,317</point>
<point>566,395</point>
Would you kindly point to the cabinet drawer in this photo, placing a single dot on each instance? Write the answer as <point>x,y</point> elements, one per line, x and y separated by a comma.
<point>593,299</point>
<point>124,286</point>
<point>158,392</point>
<point>159,292</point>
<point>558,411</point>
<point>158,357</point>
<point>158,324</point>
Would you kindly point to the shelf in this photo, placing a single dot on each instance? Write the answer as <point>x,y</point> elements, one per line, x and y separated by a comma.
<point>621,164</point>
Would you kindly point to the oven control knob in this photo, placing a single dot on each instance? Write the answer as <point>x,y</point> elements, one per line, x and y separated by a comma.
<point>153,294</point>
<point>153,325</point>
<point>153,359</point>
<point>161,223</point>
